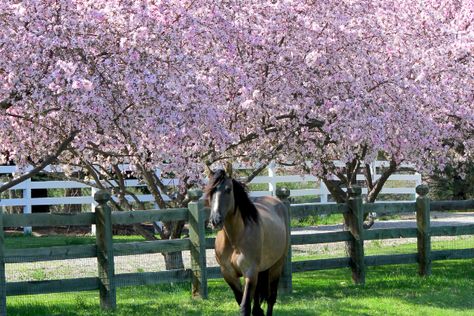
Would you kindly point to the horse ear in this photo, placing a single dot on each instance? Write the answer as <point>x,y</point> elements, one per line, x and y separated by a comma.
<point>209,173</point>
<point>229,168</point>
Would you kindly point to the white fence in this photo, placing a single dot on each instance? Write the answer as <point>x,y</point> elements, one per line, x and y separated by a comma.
<point>320,189</point>
<point>314,188</point>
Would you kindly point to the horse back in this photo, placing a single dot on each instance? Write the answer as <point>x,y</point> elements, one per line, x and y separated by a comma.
<point>270,206</point>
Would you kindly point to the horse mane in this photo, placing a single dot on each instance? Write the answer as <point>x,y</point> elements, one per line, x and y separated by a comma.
<point>248,211</point>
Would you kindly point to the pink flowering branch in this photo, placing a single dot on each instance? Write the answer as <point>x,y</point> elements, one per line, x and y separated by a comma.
<point>44,163</point>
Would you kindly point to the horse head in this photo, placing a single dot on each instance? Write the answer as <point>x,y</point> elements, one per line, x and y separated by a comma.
<point>220,197</point>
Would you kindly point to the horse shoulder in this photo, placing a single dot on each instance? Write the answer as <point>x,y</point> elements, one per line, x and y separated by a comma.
<point>222,247</point>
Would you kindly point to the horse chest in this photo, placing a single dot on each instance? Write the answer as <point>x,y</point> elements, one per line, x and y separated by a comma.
<point>232,259</point>
<point>240,262</point>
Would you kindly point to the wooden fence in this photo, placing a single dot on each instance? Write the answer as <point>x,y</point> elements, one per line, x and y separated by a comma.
<point>105,250</point>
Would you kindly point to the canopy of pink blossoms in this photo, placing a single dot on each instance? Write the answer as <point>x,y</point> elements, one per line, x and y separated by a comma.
<point>176,84</point>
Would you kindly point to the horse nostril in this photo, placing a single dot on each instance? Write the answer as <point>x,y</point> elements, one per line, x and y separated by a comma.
<point>215,221</point>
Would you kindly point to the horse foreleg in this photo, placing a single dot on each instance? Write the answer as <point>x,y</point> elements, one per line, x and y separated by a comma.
<point>272,296</point>
<point>274,277</point>
<point>257,310</point>
<point>234,282</point>
<point>261,293</point>
<point>249,291</point>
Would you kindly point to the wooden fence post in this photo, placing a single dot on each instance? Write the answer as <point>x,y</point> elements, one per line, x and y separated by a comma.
<point>197,235</point>
<point>355,224</point>
<point>105,253</point>
<point>286,280</point>
<point>423,226</point>
<point>3,283</point>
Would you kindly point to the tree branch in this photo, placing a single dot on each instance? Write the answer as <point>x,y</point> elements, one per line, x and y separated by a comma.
<point>378,185</point>
<point>342,177</point>
<point>8,102</point>
<point>255,173</point>
<point>152,186</point>
<point>47,161</point>
<point>368,177</point>
<point>339,195</point>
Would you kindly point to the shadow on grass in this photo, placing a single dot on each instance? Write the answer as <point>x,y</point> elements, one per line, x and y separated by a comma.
<point>451,285</point>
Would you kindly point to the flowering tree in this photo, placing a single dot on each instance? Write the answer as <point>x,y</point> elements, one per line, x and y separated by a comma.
<point>77,71</point>
<point>97,83</point>
<point>347,81</point>
<point>177,85</point>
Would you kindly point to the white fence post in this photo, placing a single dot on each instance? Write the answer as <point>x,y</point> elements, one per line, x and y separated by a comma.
<point>418,182</point>
<point>94,204</point>
<point>27,207</point>
<point>272,174</point>
<point>323,192</point>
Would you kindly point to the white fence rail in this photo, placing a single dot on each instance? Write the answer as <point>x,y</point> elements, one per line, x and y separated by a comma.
<point>272,180</point>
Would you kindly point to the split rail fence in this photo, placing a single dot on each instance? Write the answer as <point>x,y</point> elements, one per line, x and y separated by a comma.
<point>105,250</point>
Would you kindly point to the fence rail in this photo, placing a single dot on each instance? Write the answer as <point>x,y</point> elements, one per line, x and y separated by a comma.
<point>104,250</point>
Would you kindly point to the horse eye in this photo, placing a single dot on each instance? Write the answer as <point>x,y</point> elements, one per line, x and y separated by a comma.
<point>227,190</point>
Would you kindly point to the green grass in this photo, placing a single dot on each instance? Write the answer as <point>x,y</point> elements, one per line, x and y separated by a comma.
<point>315,220</point>
<point>22,241</point>
<point>390,290</point>
<point>379,247</point>
<point>39,275</point>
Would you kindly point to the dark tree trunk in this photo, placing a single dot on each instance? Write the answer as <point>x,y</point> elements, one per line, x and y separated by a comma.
<point>13,194</point>
<point>173,260</point>
<point>173,230</point>
<point>73,208</point>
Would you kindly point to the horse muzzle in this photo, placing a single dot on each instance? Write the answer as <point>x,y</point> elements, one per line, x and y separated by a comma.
<point>216,223</point>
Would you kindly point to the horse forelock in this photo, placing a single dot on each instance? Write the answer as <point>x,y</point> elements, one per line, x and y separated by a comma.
<point>217,178</point>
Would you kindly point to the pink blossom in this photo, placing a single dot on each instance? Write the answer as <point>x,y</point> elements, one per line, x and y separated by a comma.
<point>176,84</point>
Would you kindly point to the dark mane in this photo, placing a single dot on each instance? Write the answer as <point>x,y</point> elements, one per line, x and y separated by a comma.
<point>248,211</point>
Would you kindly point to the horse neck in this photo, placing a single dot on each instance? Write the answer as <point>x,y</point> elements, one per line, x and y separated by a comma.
<point>234,226</point>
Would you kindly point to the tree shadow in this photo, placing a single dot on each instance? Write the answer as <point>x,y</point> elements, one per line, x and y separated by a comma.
<point>450,285</point>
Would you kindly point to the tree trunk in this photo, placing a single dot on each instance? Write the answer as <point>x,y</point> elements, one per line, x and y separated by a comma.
<point>13,194</point>
<point>173,230</point>
<point>73,208</point>
<point>173,260</point>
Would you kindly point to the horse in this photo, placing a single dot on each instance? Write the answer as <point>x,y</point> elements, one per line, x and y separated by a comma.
<point>252,241</point>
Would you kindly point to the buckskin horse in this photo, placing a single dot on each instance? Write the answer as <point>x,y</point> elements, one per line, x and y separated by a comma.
<point>252,241</point>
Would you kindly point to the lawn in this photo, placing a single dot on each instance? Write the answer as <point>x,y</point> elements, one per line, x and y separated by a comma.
<point>18,241</point>
<point>390,290</point>
<point>382,247</point>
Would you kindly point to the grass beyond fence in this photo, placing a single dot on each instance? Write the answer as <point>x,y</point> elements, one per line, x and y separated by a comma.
<point>105,249</point>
